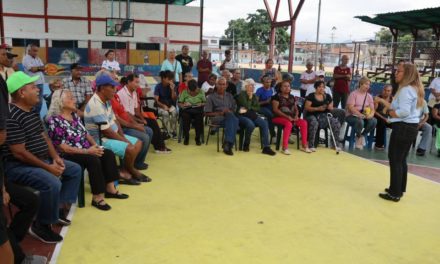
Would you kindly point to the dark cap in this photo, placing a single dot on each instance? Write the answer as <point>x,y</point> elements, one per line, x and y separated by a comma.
<point>75,66</point>
<point>11,55</point>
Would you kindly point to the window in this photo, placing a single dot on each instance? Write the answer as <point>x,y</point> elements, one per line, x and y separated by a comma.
<point>65,44</point>
<point>213,41</point>
<point>114,45</point>
<point>18,42</point>
<point>147,46</point>
<point>205,42</point>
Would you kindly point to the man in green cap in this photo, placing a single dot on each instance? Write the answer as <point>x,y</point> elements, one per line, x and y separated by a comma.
<point>23,198</point>
<point>32,160</point>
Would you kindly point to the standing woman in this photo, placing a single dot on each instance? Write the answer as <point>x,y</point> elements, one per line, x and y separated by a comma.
<point>404,114</point>
<point>271,72</point>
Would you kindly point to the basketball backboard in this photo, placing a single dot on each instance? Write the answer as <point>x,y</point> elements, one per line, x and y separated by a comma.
<point>119,27</point>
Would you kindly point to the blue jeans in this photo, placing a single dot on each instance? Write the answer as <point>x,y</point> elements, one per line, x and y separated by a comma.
<point>230,123</point>
<point>267,112</point>
<point>145,137</point>
<point>37,107</point>
<point>248,125</point>
<point>358,124</point>
<point>54,191</point>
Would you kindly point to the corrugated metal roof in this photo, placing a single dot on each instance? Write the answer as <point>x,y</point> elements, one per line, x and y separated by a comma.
<point>406,20</point>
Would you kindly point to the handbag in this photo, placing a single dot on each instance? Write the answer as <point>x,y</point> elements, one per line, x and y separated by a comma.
<point>251,114</point>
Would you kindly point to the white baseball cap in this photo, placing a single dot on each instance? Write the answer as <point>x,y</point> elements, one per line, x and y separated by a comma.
<point>320,73</point>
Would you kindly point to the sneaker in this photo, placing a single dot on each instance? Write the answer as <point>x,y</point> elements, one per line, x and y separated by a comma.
<point>174,136</point>
<point>163,151</point>
<point>34,259</point>
<point>389,197</point>
<point>44,233</point>
<point>227,149</point>
<point>62,219</point>
<point>379,148</point>
<point>285,151</point>
<point>268,151</point>
<point>246,148</point>
<point>420,152</point>
<point>313,149</point>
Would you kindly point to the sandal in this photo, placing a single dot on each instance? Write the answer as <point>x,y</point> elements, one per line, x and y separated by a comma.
<point>306,150</point>
<point>130,181</point>
<point>116,195</point>
<point>143,178</point>
<point>100,206</point>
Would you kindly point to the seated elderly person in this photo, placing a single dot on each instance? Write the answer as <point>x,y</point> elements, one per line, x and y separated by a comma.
<point>360,106</point>
<point>220,107</point>
<point>79,86</point>
<point>286,114</point>
<point>381,115</point>
<point>247,109</point>
<point>230,88</point>
<point>436,120</point>
<point>127,101</point>
<point>264,95</point>
<point>99,110</point>
<point>54,84</point>
<point>74,143</point>
<point>184,85</point>
<point>209,86</point>
<point>336,112</point>
<point>317,106</point>
<point>32,160</point>
<point>165,96</point>
<point>191,102</point>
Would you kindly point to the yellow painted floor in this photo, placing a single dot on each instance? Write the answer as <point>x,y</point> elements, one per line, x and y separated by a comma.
<point>205,207</point>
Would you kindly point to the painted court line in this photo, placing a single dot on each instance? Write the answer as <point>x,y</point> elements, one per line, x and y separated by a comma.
<point>63,233</point>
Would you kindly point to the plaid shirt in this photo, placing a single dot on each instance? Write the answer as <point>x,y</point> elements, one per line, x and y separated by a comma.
<point>80,90</point>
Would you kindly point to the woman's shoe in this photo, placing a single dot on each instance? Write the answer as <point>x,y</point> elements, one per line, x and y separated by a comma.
<point>389,197</point>
<point>285,151</point>
<point>116,195</point>
<point>143,178</point>
<point>101,206</point>
<point>313,149</point>
<point>306,150</point>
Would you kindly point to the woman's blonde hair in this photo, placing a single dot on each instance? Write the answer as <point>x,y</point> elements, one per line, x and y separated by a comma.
<point>363,81</point>
<point>411,77</point>
<point>57,102</point>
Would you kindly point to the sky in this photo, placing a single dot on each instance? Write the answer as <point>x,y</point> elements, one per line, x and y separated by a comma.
<point>334,13</point>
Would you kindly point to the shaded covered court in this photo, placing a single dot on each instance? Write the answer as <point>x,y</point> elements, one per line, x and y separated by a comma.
<point>206,207</point>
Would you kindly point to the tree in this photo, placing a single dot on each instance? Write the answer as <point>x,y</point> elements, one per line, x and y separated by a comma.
<point>255,30</point>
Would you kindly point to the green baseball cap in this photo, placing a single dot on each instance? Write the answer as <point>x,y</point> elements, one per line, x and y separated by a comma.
<point>18,80</point>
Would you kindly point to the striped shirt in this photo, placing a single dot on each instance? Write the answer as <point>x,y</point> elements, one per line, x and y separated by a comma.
<point>97,111</point>
<point>80,90</point>
<point>25,128</point>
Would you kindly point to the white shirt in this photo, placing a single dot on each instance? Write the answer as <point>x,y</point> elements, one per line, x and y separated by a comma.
<point>111,65</point>
<point>435,84</point>
<point>307,76</point>
<point>206,86</point>
<point>312,90</point>
<point>28,63</point>
<point>128,100</point>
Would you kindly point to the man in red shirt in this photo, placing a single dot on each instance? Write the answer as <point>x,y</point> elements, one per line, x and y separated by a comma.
<point>204,67</point>
<point>342,77</point>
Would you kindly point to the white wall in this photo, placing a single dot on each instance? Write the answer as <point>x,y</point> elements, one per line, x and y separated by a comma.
<point>78,29</point>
